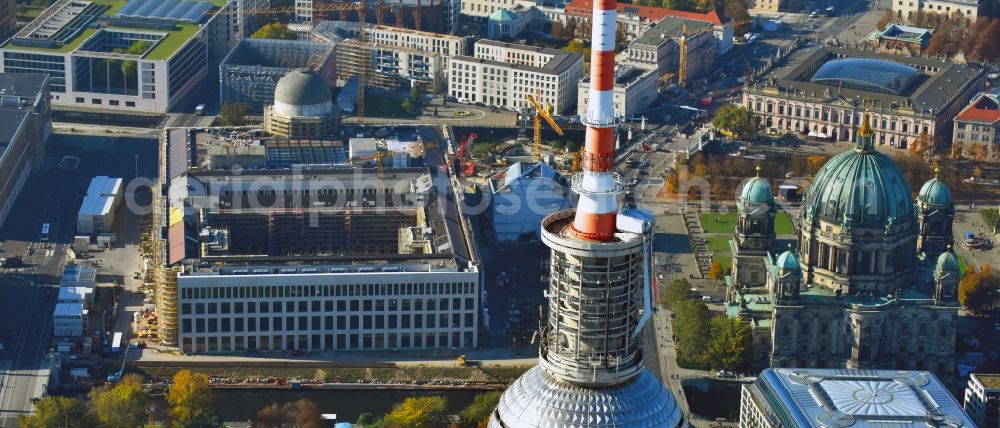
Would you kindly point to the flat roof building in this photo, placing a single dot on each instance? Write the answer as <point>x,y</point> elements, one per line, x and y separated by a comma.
<point>120,55</point>
<point>25,125</point>
<point>97,212</point>
<point>503,74</point>
<point>658,47</point>
<point>635,89</point>
<point>982,399</point>
<point>820,92</point>
<point>819,398</point>
<point>327,258</point>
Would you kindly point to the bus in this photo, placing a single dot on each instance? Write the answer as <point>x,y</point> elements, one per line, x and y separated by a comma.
<point>45,232</point>
<point>116,342</point>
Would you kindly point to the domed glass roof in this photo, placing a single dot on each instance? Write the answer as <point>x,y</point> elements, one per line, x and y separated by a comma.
<point>302,87</point>
<point>866,73</point>
<point>757,191</point>
<point>860,187</point>
<point>935,192</point>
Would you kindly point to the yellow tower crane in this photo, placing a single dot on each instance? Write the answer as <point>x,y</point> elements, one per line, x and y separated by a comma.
<point>541,112</point>
<point>358,7</point>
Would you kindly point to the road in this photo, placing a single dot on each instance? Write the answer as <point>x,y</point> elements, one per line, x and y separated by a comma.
<point>28,294</point>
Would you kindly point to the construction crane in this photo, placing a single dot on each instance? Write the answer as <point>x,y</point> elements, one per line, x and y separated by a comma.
<point>541,112</point>
<point>359,7</point>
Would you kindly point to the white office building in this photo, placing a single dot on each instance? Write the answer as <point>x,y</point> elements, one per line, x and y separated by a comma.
<point>982,399</point>
<point>635,89</point>
<point>503,74</point>
<point>97,212</point>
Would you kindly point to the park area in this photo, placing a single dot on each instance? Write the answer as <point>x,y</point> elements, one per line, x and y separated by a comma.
<point>725,222</point>
<point>383,106</point>
<point>719,228</point>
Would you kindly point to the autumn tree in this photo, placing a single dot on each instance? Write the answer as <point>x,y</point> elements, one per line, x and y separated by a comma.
<point>716,271</point>
<point>274,30</point>
<point>956,150</point>
<point>57,412</point>
<point>737,10</point>
<point>692,332</point>
<point>731,345</point>
<point>979,291</point>
<point>478,412</point>
<point>189,396</point>
<point>298,414</point>
<point>366,419</point>
<point>921,146</point>
<point>417,412</point>
<point>738,121</point>
<point>232,114</point>
<point>885,20</point>
<point>677,291</point>
<point>120,406</point>
<point>814,163</point>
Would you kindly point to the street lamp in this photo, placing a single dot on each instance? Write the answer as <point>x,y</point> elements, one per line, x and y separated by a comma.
<point>136,157</point>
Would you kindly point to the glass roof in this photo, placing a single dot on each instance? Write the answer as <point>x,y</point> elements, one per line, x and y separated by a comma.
<point>866,73</point>
<point>171,10</point>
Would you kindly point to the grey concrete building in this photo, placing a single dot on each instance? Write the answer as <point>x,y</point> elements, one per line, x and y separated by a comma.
<point>25,125</point>
<point>658,47</point>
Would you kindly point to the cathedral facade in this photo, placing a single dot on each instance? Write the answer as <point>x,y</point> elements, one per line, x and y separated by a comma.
<point>871,281</point>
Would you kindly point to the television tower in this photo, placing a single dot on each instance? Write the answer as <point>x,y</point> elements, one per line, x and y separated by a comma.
<point>590,371</point>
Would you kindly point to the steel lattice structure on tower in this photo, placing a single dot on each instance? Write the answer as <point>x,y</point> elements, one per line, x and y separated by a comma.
<point>590,371</point>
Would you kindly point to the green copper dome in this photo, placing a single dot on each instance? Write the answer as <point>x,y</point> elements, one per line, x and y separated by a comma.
<point>502,15</point>
<point>787,260</point>
<point>935,192</point>
<point>860,188</point>
<point>757,191</point>
<point>947,261</point>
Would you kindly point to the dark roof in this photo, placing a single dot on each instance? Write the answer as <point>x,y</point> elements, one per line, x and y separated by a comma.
<point>17,97</point>
<point>929,92</point>
<point>561,60</point>
<point>866,73</point>
<point>670,27</point>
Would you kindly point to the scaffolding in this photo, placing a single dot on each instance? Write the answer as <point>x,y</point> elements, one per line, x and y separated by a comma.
<point>251,71</point>
<point>163,278</point>
<point>352,55</point>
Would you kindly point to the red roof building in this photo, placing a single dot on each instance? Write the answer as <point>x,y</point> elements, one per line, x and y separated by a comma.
<point>977,126</point>
<point>583,9</point>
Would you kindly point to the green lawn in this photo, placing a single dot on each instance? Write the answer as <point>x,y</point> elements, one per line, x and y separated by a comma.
<point>724,223</point>
<point>990,216</point>
<point>962,266</point>
<point>783,224</point>
<point>719,244</point>
<point>382,106</point>
<point>718,222</point>
<point>725,261</point>
<point>29,12</point>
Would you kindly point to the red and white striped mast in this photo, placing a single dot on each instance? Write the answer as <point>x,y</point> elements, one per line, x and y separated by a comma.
<point>598,189</point>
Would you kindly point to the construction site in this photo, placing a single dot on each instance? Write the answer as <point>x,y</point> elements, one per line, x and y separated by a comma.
<point>254,238</point>
<point>250,72</point>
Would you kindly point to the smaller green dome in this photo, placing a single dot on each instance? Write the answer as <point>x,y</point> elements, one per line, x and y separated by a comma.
<point>947,261</point>
<point>757,191</point>
<point>935,192</point>
<point>788,261</point>
<point>502,15</point>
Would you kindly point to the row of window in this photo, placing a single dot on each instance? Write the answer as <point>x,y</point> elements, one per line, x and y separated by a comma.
<point>98,101</point>
<point>339,342</point>
<point>303,306</point>
<point>305,291</point>
<point>328,323</point>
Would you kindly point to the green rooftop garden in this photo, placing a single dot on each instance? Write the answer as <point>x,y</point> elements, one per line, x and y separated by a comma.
<point>171,42</point>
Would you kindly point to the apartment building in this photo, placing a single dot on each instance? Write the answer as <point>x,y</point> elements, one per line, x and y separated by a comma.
<point>503,74</point>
